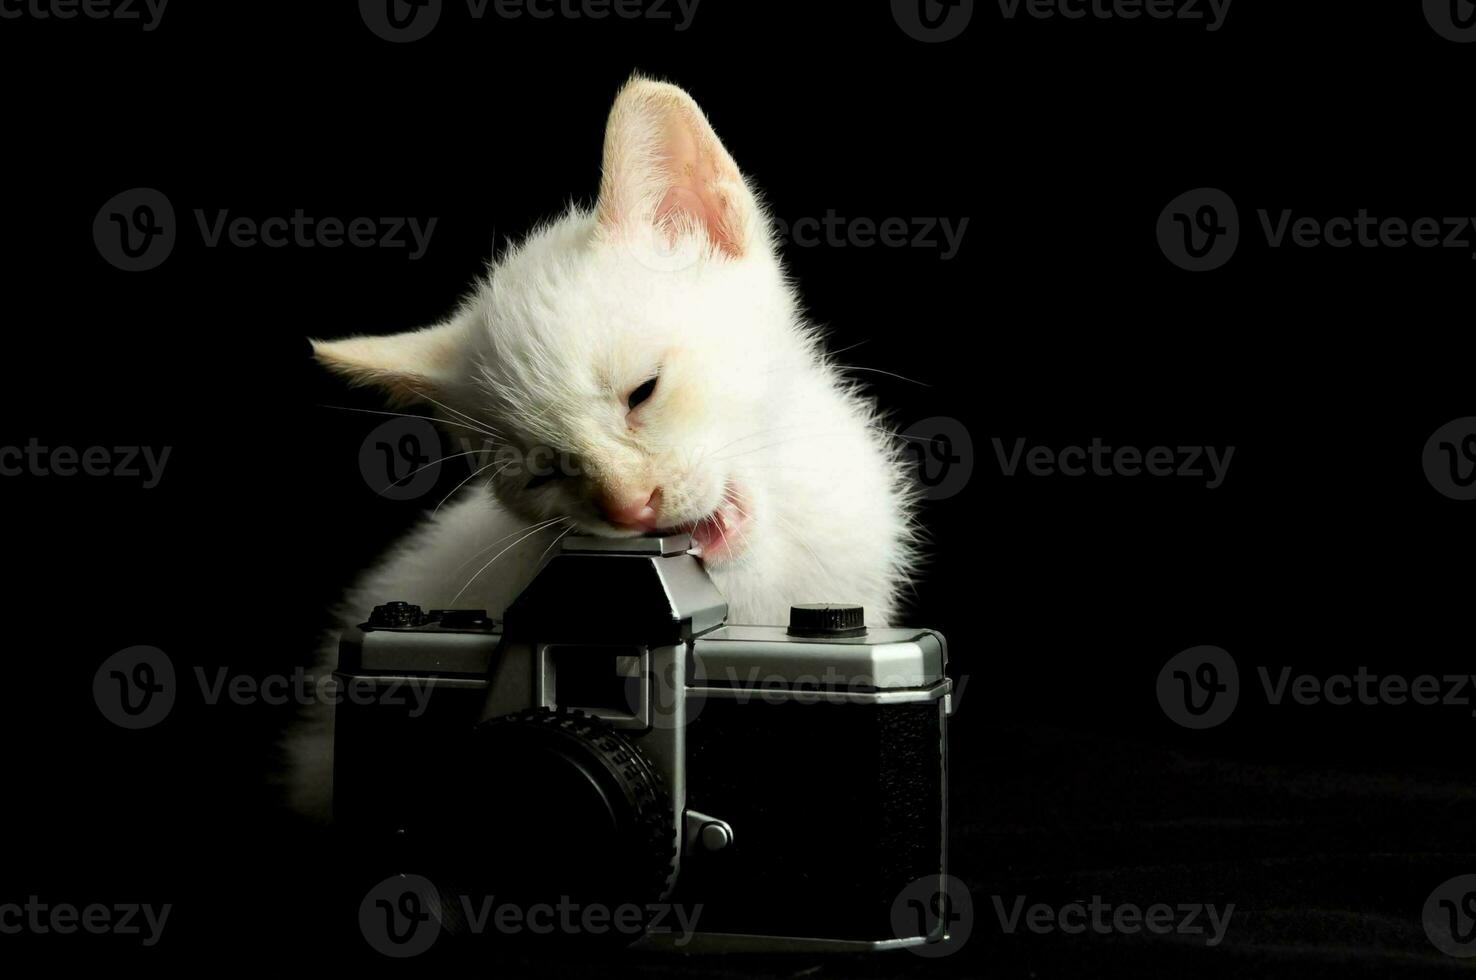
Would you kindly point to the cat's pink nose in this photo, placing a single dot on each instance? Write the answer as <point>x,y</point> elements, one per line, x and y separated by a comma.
<point>634,512</point>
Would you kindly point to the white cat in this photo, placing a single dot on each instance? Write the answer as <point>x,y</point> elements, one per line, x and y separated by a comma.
<point>637,367</point>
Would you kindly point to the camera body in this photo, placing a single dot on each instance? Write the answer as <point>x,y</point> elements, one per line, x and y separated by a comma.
<point>615,738</point>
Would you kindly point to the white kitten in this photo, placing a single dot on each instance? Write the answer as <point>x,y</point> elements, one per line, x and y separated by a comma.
<point>642,366</point>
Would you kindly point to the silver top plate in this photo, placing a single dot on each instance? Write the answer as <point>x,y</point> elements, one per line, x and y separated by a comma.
<point>659,545</point>
<point>767,656</point>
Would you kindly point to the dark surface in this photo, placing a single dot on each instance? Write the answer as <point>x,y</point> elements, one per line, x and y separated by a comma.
<point>1058,321</point>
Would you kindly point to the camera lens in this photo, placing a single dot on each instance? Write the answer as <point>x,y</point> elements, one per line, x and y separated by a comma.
<point>556,806</point>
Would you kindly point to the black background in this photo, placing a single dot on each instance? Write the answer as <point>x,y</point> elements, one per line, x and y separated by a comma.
<point>1060,320</point>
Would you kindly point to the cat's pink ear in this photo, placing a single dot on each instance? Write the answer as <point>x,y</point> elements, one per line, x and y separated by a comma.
<point>666,170</point>
<point>409,367</point>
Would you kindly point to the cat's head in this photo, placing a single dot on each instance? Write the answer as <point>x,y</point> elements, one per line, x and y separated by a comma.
<point>623,366</point>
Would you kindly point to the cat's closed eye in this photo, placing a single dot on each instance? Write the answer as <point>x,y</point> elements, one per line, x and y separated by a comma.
<point>642,393</point>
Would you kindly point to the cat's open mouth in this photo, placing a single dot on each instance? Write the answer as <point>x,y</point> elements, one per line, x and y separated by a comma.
<point>721,535</point>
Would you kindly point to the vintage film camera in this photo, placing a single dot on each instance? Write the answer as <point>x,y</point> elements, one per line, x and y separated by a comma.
<point>616,740</point>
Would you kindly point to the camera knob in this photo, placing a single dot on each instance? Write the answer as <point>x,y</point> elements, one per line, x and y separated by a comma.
<point>826,619</point>
<point>396,615</point>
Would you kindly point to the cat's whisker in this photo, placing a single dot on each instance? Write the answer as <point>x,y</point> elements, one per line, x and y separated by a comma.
<point>890,374</point>
<point>754,435</point>
<point>489,429</point>
<point>474,474</point>
<point>407,415</point>
<point>554,542</point>
<point>781,442</point>
<point>722,531</point>
<point>421,469</point>
<point>807,435</point>
<point>499,555</point>
<point>829,360</point>
<point>536,526</point>
<point>893,433</point>
<point>790,528</point>
<point>837,353</point>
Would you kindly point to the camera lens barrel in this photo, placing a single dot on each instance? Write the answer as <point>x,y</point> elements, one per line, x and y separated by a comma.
<point>566,807</point>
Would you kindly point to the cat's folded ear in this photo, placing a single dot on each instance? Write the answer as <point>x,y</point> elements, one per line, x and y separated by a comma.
<point>415,366</point>
<point>665,169</point>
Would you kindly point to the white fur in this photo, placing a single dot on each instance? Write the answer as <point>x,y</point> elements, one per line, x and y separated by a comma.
<point>674,270</point>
